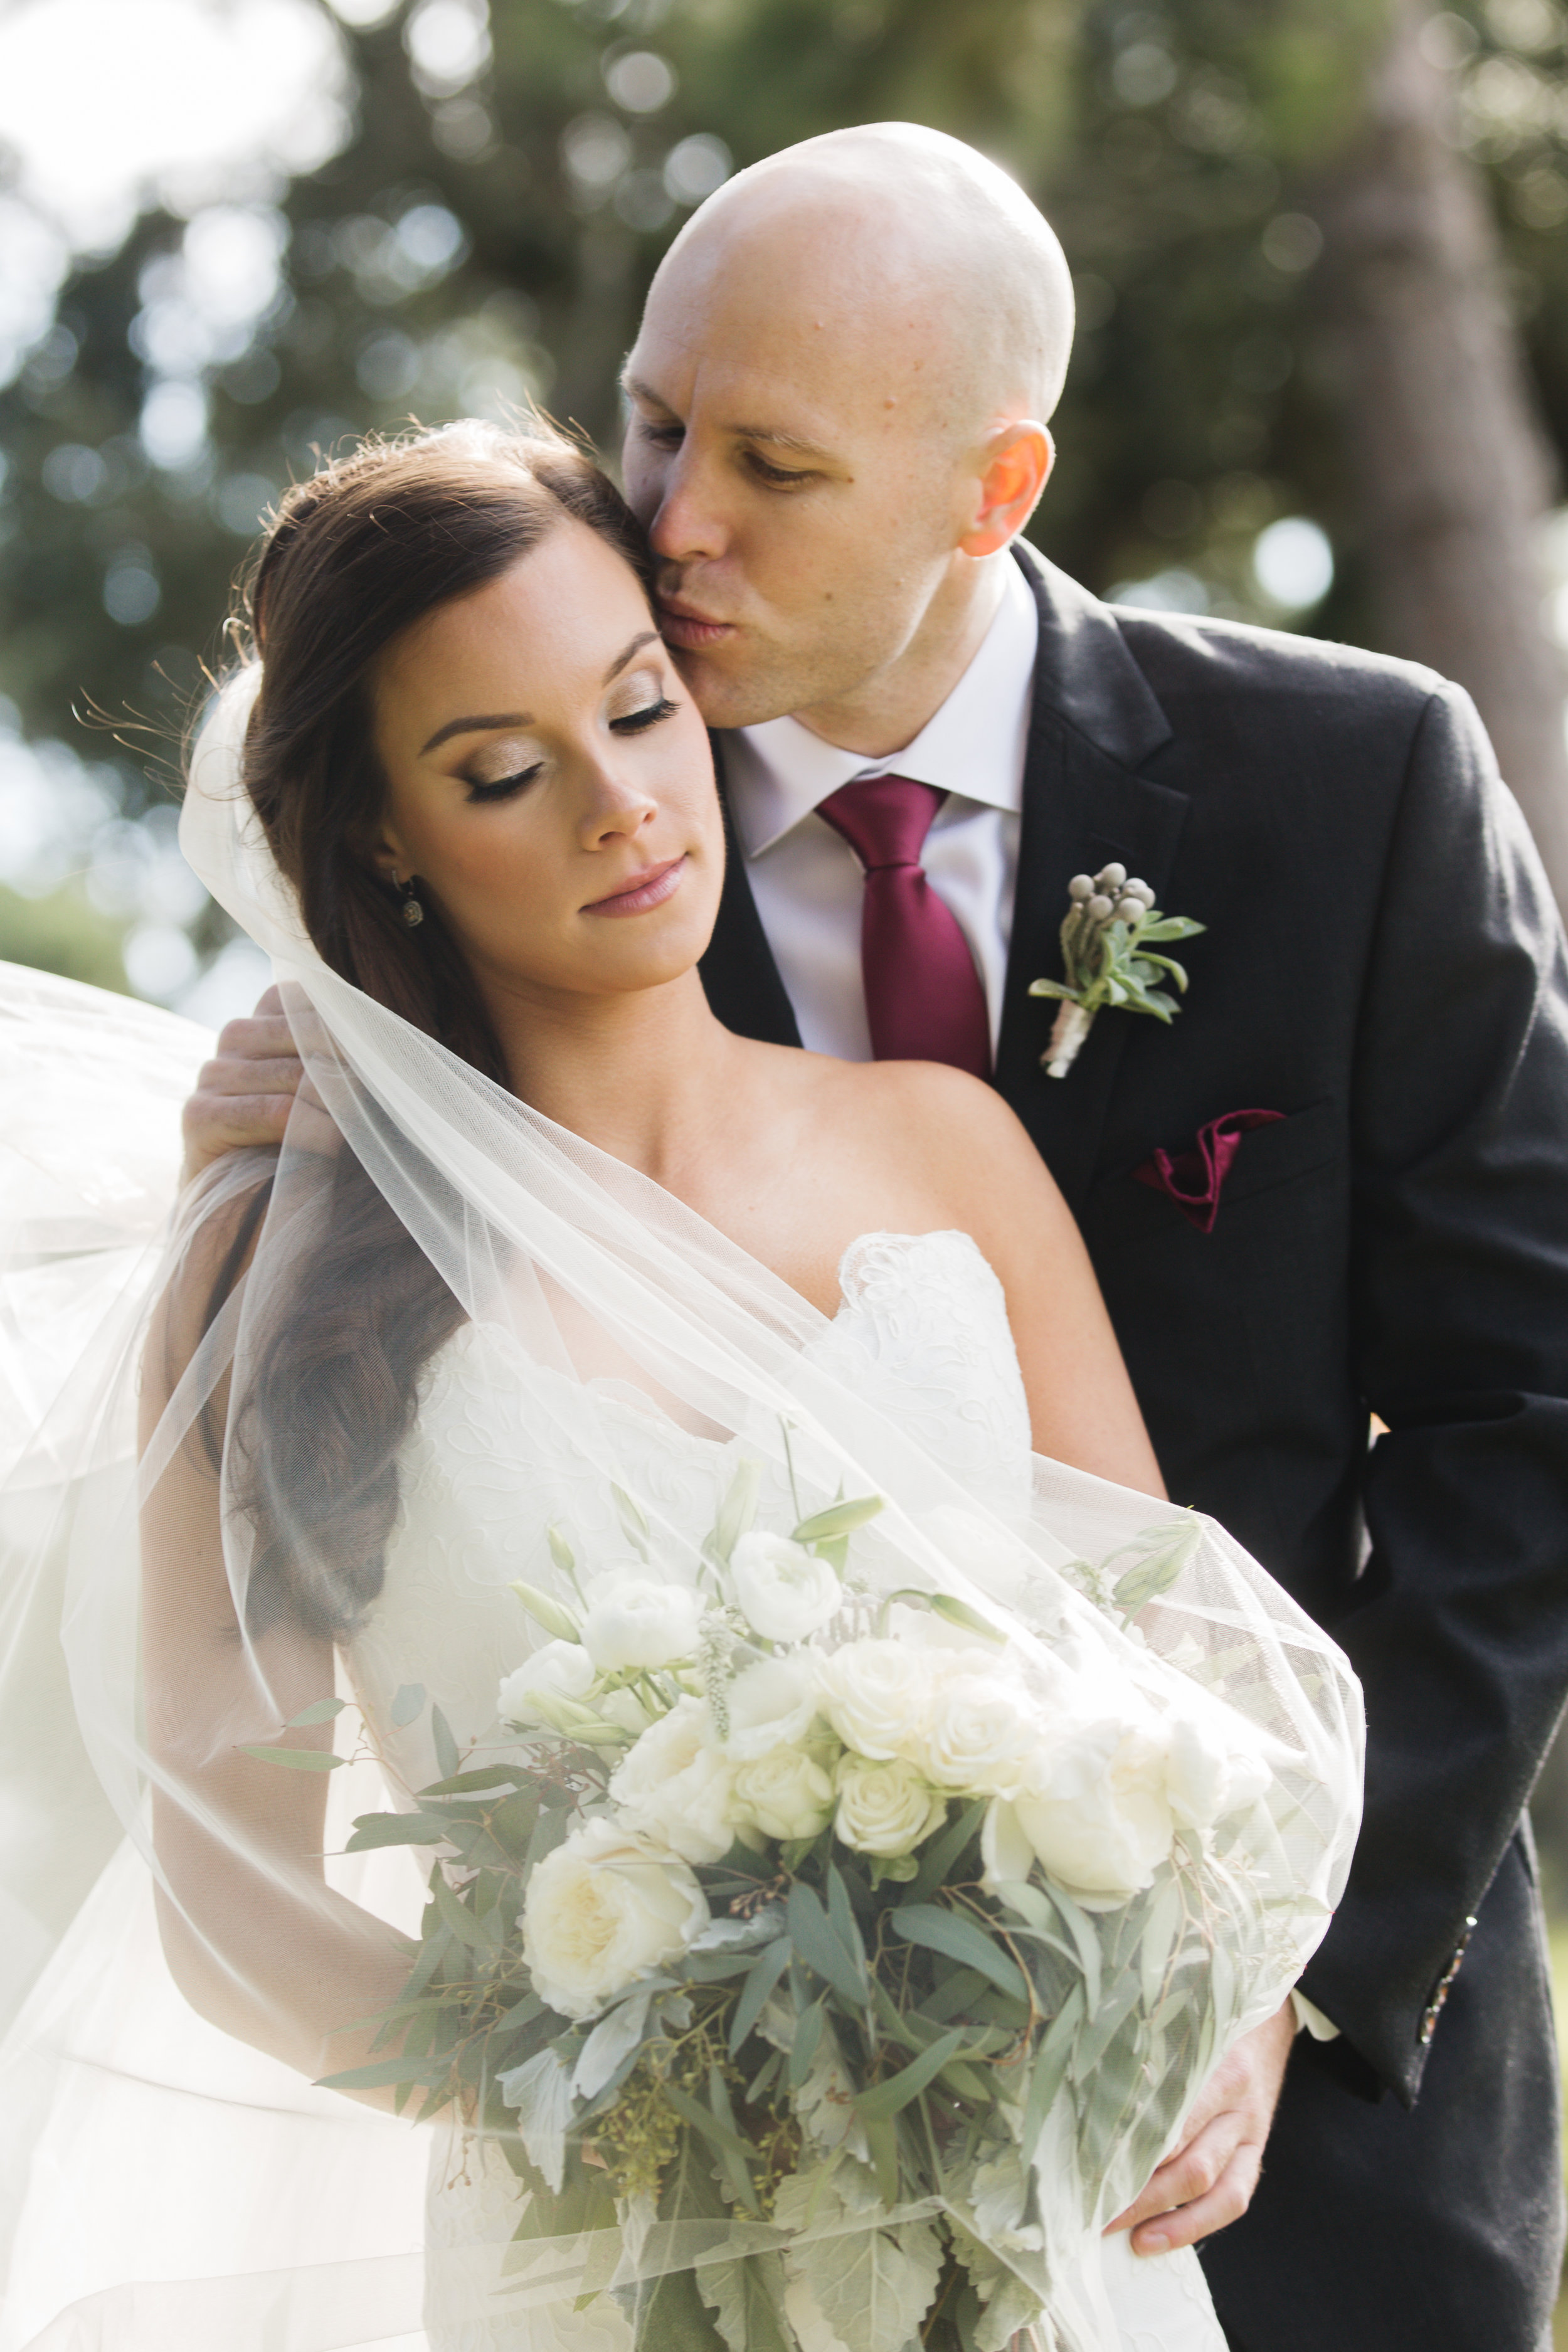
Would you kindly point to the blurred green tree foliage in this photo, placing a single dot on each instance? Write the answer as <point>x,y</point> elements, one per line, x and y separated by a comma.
<point>489,232</point>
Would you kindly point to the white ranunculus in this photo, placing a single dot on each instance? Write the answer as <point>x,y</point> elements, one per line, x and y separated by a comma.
<point>600,1912</point>
<point>784,1591</point>
<point>557,1670</point>
<point>1208,1775</point>
<point>1093,1809</point>
<point>877,1697</point>
<point>635,1619</point>
<point>980,1735</point>
<point>886,1808</point>
<point>674,1786</point>
<point>772,1704</point>
<point>785,1794</point>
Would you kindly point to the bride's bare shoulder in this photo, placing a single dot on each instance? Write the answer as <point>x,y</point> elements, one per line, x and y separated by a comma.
<point>951,1131</point>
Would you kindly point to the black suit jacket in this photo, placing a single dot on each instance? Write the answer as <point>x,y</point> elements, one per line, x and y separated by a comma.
<point>1384,965</point>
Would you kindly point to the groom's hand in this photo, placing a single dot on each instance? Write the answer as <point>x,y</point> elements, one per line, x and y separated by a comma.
<point>245,1094</point>
<point>1210,2179</point>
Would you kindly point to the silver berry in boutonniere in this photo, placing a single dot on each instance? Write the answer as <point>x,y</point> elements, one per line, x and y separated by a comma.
<point>1107,939</point>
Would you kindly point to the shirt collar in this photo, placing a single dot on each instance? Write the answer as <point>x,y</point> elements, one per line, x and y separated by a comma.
<point>973,746</point>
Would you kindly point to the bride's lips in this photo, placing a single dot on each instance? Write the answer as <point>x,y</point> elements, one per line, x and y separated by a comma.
<point>649,889</point>
<point>682,624</point>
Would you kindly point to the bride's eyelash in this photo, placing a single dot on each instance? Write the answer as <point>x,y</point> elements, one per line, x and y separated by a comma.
<point>649,715</point>
<point>633,723</point>
<point>503,787</point>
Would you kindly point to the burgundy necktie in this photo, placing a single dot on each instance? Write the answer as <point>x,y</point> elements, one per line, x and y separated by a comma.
<point>924,1000</point>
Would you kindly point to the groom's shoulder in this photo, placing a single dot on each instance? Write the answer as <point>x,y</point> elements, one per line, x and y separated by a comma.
<point>1191,661</point>
<point>1125,671</point>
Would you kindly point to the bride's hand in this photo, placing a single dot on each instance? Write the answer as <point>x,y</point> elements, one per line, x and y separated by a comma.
<point>245,1094</point>
<point>1209,2180</point>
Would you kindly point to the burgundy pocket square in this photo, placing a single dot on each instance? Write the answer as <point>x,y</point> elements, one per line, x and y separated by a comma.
<point>1193,1180</point>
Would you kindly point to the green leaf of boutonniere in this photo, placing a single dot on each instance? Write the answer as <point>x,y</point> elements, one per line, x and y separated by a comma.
<point>1109,943</point>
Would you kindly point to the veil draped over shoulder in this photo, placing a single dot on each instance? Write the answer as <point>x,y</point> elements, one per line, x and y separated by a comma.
<point>166,2184</point>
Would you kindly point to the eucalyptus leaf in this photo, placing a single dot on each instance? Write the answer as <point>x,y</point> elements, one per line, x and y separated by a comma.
<point>383,2072</point>
<point>407,1704</point>
<point>959,1938</point>
<point>616,2033</point>
<point>891,2098</point>
<point>373,1830</point>
<point>541,2090</point>
<point>764,1975</point>
<point>322,1710</point>
<point>449,1761</point>
<point>297,1759</point>
<point>817,1943</point>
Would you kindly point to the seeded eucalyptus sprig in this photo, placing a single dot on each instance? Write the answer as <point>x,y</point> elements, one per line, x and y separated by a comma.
<point>1108,942</point>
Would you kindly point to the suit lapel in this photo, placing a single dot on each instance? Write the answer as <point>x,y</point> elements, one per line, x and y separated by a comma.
<point>739,974</point>
<point>1095,720</point>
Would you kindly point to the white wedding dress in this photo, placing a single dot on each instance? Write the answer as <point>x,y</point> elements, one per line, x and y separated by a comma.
<point>922,1334</point>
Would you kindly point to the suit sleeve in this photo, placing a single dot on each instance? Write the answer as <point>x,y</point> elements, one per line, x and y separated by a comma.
<point>1459,1626</point>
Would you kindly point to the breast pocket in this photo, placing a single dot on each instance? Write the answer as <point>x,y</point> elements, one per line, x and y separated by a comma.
<point>1123,1214</point>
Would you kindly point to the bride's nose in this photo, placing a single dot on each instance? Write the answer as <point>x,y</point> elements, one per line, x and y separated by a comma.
<point>612,804</point>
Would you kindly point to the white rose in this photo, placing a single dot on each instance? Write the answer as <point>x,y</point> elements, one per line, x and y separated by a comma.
<point>785,1591</point>
<point>772,1704</point>
<point>885,1809</point>
<point>785,1794</point>
<point>558,1670</point>
<point>601,1911</point>
<point>980,1735</point>
<point>1092,1809</point>
<point>674,1785</point>
<point>638,1620</point>
<point>1208,1775</point>
<point>877,1697</point>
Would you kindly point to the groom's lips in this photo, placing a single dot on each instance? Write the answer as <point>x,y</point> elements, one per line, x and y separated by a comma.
<point>683,624</point>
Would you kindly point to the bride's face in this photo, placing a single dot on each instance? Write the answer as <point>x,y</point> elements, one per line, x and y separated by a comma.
<point>548,779</point>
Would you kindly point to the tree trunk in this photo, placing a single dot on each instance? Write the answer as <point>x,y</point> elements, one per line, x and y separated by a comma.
<point>1453,469</point>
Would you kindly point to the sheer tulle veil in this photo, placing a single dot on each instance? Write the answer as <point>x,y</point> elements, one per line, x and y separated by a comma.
<point>163,2184</point>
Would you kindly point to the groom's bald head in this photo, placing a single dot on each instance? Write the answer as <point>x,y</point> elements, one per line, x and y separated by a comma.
<point>901,235</point>
<point>839,393</point>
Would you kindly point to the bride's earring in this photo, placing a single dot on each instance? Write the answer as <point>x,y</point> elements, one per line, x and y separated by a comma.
<point>412,911</point>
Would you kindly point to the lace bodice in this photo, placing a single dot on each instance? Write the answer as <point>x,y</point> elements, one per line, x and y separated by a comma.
<point>492,1463</point>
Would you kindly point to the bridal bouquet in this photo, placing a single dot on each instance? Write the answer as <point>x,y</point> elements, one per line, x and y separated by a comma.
<point>838,1961</point>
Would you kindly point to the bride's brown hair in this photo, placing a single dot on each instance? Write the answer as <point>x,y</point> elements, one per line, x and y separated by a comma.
<point>356,556</point>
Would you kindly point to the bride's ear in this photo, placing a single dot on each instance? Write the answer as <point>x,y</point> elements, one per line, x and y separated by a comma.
<point>384,856</point>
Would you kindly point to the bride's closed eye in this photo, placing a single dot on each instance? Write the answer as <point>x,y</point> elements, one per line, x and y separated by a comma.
<point>633,722</point>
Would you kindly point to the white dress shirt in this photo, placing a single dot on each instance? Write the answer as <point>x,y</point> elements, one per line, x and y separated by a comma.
<point>807,881</point>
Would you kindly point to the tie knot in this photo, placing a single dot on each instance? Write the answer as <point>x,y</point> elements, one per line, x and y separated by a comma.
<point>885,819</point>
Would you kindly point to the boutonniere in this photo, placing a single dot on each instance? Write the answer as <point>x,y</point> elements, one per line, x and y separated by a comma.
<point>1108,947</point>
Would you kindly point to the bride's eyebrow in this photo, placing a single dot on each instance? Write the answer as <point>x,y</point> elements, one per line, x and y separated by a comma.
<point>476,726</point>
<point>525,718</point>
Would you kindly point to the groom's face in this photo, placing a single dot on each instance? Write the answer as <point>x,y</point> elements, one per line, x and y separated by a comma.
<point>800,472</point>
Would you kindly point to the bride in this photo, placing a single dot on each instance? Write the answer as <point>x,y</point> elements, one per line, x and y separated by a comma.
<point>545,1245</point>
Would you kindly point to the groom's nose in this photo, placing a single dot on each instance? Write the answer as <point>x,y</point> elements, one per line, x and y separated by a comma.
<point>688,525</point>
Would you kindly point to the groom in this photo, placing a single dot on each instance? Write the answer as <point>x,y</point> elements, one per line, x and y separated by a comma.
<point>1337,1186</point>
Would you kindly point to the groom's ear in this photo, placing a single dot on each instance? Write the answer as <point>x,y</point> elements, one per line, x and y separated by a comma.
<point>1015,465</point>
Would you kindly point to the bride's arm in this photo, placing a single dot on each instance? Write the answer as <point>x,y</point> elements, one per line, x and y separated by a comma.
<point>255,1938</point>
